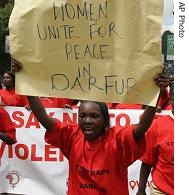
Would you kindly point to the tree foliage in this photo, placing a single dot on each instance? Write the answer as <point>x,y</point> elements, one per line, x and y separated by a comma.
<point>5,11</point>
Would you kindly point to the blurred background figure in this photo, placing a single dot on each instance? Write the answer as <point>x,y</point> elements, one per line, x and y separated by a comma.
<point>8,96</point>
<point>164,102</point>
<point>52,102</point>
<point>123,106</point>
<point>7,129</point>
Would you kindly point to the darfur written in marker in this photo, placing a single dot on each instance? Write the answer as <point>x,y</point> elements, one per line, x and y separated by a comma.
<point>111,83</point>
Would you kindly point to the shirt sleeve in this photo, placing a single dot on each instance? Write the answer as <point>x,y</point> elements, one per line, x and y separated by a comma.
<point>61,136</point>
<point>151,139</point>
<point>24,101</point>
<point>6,124</point>
<point>61,102</point>
<point>131,149</point>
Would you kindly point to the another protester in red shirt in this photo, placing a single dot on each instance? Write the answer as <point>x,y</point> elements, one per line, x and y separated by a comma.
<point>52,102</point>
<point>164,102</point>
<point>8,96</point>
<point>124,106</point>
<point>7,129</point>
<point>159,156</point>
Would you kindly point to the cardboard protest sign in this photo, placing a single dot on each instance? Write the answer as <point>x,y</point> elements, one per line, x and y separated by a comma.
<point>97,50</point>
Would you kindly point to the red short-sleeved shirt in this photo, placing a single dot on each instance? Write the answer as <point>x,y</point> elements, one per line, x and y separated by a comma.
<point>52,102</point>
<point>98,166</point>
<point>164,101</point>
<point>124,106</point>
<point>160,153</point>
<point>6,124</point>
<point>10,98</point>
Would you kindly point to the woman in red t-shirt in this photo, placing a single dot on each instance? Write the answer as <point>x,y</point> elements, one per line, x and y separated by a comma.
<point>98,154</point>
<point>8,96</point>
<point>7,129</point>
<point>159,156</point>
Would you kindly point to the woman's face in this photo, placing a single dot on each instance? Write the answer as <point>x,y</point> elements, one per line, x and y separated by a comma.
<point>8,81</point>
<point>91,120</point>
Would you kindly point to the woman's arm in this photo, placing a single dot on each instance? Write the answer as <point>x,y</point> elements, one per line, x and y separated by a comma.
<point>162,81</point>
<point>145,170</point>
<point>5,138</point>
<point>40,112</point>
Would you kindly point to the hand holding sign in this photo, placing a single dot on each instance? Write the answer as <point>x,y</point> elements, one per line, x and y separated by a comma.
<point>88,50</point>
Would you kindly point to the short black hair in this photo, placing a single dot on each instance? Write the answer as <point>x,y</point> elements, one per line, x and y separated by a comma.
<point>104,110</point>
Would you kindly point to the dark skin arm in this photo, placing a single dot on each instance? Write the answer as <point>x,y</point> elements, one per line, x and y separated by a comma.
<point>161,80</point>
<point>5,138</point>
<point>145,170</point>
<point>40,112</point>
<point>145,122</point>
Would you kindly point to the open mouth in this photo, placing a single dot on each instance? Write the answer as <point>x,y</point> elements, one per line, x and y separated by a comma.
<point>88,130</point>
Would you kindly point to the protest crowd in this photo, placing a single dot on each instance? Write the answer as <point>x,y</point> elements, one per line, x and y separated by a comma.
<point>100,112</point>
<point>99,154</point>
